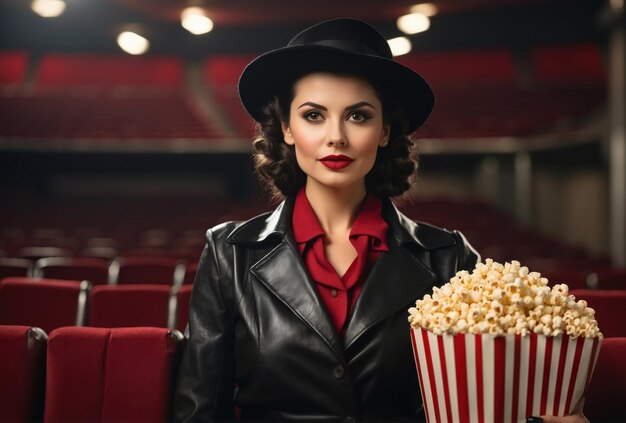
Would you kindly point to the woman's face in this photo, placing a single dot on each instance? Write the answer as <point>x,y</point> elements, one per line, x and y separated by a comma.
<point>336,126</point>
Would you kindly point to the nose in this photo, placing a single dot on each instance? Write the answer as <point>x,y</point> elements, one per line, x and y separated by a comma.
<point>336,136</point>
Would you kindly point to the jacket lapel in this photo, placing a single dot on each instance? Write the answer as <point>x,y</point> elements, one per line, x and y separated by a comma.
<point>284,274</point>
<point>397,279</point>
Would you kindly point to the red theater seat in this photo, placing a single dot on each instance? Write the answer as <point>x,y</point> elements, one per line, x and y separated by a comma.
<point>143,270</point>
<point>111,375</point>
<point>115,306</point>
<point>44,303</point>
<point>94,270</point>
<point>15,267</point>
<point>35,253</point>
<point>606,398</point>
<point>609,307</point>
<point>22,372</point>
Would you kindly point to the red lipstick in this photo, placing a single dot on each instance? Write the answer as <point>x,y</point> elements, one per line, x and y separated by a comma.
<point>336,162</point>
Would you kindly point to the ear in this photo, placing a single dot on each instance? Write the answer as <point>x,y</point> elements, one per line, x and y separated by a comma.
<point>287,133</point>
<point>384,136</point>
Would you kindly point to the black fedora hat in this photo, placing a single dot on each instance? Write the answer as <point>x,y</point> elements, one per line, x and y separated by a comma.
<point>339,45</point>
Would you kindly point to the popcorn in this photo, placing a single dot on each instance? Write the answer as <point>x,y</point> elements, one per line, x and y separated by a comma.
<point>501,299</point>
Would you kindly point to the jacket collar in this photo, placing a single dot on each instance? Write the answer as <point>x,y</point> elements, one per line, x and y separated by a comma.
<point>275,225</point>
<point>397,279</point>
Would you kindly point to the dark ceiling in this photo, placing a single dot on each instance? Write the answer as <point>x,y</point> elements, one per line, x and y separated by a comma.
<point>251,26</point>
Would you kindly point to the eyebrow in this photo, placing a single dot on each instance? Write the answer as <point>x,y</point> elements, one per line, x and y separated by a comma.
<point>351,107</point>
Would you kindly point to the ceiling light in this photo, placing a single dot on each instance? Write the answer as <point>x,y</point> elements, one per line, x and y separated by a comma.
<point>399,46</point>
<point>48,8</point>
<point>132,43</point>
<point>195,20</point>
<point>413,23</point>
<point>427,9</point>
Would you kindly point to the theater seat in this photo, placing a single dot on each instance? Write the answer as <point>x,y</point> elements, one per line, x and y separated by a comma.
<point>94,270</point>
<point>111,375</point>
<point>609,307</point>
<point>22,373</point>
<point>143,270</point>
<point>44,303</point>
<point>606,397</point>
<point>15,267</point>
<point>115,306</point>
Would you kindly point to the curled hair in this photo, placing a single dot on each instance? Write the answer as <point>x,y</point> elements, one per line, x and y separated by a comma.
<point>275,161</point>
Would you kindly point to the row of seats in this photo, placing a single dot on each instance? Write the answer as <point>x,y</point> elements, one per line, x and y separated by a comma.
<point>120,271</point>
<point>87,374</point>
<point>118,226</point>
<point>49,303</point>
<point>554,63</point>
<point>165,228</point>
<point>54,303</point>
<point>127,375</point>
<point>577,272</point>
<point>474,91</point>
<point>57,115</point>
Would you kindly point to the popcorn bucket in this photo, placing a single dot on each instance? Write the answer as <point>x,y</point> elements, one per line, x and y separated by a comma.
<point>485,378</point>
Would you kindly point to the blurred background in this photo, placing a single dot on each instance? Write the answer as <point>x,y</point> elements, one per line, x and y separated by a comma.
<point>121,133</point>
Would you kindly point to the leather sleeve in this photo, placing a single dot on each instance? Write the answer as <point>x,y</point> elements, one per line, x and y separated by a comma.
<point>467,256</point>
<point>205,385</point>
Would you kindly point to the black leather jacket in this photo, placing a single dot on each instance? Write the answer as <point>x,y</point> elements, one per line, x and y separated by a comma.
<point>260,336</point>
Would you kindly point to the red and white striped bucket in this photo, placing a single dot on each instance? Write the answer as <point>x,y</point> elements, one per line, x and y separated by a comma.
<point>485,378</point>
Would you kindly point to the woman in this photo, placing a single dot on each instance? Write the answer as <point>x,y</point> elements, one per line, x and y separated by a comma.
<point>301,314</point>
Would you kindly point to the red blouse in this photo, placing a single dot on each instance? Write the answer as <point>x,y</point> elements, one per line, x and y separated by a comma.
<point>369,237</point>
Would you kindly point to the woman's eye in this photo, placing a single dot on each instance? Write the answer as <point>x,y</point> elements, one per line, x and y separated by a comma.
<point>358,117</point>
<point>313,116</point>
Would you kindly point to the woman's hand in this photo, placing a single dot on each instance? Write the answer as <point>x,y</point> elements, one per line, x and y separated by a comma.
<point>576,417</point>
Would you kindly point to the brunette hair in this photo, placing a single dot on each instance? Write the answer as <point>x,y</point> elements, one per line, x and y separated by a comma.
<point>275,161</point>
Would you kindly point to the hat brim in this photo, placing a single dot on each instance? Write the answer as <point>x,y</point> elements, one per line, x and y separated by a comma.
<point>272,72</point>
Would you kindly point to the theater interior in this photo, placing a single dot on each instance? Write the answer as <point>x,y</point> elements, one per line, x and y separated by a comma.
<point>115,159</point>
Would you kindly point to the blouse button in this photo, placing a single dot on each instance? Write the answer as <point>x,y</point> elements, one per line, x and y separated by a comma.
<point>333,293</point>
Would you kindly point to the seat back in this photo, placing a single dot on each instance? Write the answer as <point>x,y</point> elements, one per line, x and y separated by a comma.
<point>606,397</point>
<point>609,306</point>
<point>19,267</point>
<point>142,270</point>
<point>22,372</point>
<point>35,253</point>
<point>94,270</point>
<point>114,306</point>
<point>44,303</point>
<point>111,375</point>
